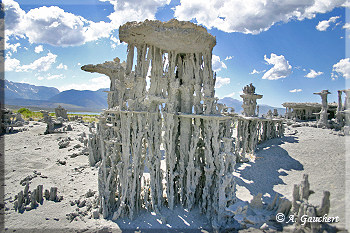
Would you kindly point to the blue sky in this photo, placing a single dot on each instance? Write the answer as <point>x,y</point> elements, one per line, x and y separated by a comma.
<point>287,49</point>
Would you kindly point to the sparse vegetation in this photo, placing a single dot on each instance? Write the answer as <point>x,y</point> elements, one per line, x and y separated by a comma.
<point>26,114</point>
<point>24,110</point>
<point>86,117</point>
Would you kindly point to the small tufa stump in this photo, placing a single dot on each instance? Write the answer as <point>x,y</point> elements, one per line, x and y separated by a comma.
<point>28,200</point>
<point>301,207</point>
<point>53,194</point>
<point>33,201</point>
<point>47,194</point>
<point>63,144</point>
<point>40,194</point>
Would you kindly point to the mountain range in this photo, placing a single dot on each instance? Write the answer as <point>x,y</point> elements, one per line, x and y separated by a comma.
<point>41,97</point>
<point>15,90</point>
<point>237,105</point>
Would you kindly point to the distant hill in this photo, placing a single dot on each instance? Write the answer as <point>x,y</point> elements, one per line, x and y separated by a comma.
<point>230,102</point>
<point>263,109</point>
<point>43,104</point>
<point>237,105</point>
<point>87,99</point>
<point>15,90</point>
<point>26,95</point>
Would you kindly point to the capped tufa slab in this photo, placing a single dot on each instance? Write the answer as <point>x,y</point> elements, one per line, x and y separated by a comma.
<point>174,35</point>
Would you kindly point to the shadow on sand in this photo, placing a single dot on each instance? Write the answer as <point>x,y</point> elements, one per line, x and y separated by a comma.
<point>272,162</point>
<point>177,220</point>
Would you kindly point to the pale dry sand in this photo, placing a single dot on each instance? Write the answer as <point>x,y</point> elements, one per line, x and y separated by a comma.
<point>280,164</point>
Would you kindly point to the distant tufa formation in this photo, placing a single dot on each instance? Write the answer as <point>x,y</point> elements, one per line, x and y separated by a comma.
<point>322,116</point>
<point>249,101</point>
<point>343,110</point>
<point>9,120</point>
<point>52,125</point>
<point>56,124</point>
<point>178,114</point>
<point>326,115</point>
<point>307,111</point>
<point>252,130</point>
<point>61,112</point>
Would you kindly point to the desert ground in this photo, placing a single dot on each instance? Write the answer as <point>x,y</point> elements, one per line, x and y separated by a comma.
<point>279,164</point>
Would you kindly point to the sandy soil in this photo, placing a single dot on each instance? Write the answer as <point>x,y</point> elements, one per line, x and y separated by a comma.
<point>279,164</point>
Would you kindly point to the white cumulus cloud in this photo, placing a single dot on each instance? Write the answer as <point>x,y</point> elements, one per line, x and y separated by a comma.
<point>313,74</point>
<point>15,18</point>
<point>221,82</point>
<point>134,10</point>
<point>257,72</point>
<point>280,69</point>
<point>38,49</point>
<point>61,66</point>
<point>342,68</point>
<point>97,30</point>
<point>115,42</point>
<point>217,64</point>
<point>230,95</point>
<point>11,63</point>
<point>92,84</point>
<point>295,90</point>
<point>12,47</point>
<point>42,64</point>
<point>52,25</point>
<point>228,58</point>
<point>323,25</point>
<point>346,26</point>
<point>50,77</point>
<point>250,16</point>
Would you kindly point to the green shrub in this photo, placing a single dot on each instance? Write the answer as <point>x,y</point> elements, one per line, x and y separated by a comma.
<point>26,114</point>
<point>24,111</point>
